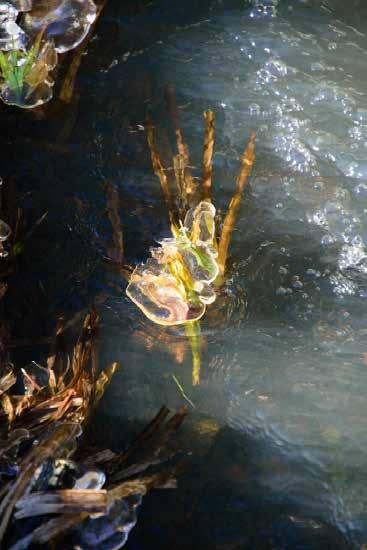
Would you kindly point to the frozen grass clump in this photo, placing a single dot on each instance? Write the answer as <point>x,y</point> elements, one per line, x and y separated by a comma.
<point>176,283</point>
<point>26,75</point>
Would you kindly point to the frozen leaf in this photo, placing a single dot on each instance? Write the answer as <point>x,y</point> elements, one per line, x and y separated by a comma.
<point>199,260</point>
<point>160,296</point>
<point>200,223</point>
<point>67,501</point>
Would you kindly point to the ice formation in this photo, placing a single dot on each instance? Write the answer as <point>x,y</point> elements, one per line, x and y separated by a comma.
<point>27,82</point>
<point>175,284</point>
<point>25,68</point>
<point>66,22</point>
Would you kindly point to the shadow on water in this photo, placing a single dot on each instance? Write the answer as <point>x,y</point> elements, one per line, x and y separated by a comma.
<point>277,438</point>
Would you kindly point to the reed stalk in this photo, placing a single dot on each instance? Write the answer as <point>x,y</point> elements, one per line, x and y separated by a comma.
<point>247,162</point>
<point>208,155</point>
<point>182,148</point>
<point>160,171</point>
<point>193,334</point>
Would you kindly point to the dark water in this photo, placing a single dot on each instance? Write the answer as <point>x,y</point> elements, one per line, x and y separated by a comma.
<point>278,438</point>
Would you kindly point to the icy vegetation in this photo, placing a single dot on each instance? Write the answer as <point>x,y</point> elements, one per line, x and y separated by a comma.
<point>29,48</point>
<point>175,284</point>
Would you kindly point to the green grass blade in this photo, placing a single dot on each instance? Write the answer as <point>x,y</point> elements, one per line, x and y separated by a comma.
<point>193,333</point>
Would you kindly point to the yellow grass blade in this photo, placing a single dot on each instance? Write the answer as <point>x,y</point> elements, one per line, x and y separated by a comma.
<point>193,334</point>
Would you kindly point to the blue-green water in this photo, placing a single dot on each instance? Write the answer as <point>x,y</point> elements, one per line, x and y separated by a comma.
<point>277,441</point>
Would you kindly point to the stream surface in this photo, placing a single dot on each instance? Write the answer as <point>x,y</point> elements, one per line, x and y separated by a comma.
<point>277,442</point>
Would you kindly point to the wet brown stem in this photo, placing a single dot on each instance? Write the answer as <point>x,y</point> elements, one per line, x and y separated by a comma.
<point>159,170</point>
<point>182,148</point>
<point>208,155</point>
<point>247,162</point>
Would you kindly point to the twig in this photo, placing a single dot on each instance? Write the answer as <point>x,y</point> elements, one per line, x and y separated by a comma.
<point>183,392</point>
<point>248,159</point>
<point>208,155</point>
<point>35,225</point>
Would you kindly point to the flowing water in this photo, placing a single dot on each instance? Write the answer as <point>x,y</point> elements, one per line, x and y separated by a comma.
<point>277,441</point>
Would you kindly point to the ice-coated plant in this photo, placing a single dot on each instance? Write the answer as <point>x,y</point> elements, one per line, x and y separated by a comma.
<point>176,284</point>
<point>25,74</point>
<point>25,59</point>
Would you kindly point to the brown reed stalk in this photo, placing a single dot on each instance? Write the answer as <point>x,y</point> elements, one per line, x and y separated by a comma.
<point>247,162</point>
<point>208,155</point>
<point>159,170</point>
<point>179,170</point>
<point>182,148</point>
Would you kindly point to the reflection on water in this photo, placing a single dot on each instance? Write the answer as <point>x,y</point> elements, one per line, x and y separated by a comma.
<point>279,429</point>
